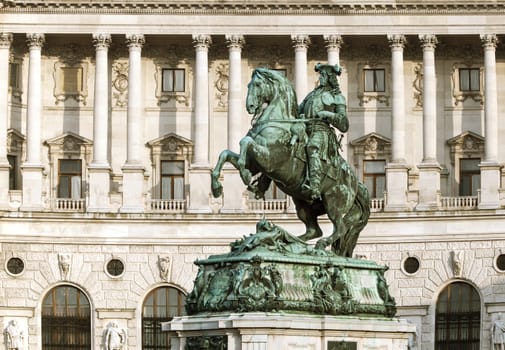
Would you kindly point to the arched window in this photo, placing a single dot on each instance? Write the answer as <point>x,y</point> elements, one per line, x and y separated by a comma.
<point>160,305</point>
<point>458,318</point>
<point>66,319</point>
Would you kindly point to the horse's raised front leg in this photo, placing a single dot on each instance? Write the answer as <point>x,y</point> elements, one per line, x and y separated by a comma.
<point>225,156</point>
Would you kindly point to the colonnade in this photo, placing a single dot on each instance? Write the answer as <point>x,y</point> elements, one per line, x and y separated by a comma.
<point>133,169</point>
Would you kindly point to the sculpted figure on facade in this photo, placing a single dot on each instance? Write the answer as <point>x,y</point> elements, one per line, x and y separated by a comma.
<point>64,264</point>
<point>14,336</point>
<point>498,333</point>
<point>115,337</point>
<point>164,264</point>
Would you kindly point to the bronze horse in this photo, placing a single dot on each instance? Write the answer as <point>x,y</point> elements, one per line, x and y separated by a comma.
<point>274,149</point>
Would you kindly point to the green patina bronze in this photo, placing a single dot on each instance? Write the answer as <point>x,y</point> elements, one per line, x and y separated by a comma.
<point>271,269</point>
<point>297,148</point>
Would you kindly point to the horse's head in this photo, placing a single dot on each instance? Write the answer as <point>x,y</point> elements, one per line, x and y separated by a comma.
<point>270,87</point>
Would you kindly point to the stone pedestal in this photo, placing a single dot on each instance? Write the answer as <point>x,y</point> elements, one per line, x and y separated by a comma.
<point>133,189</point>
<point>32,187</point>
<point>276,331</point>
<point>397,176</point>
<point>490,173</point>
<point>99,188</point>
<point>199,180</point>
<point>429,185</point>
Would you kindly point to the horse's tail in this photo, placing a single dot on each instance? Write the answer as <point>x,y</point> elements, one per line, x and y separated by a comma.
<point>355,220</point>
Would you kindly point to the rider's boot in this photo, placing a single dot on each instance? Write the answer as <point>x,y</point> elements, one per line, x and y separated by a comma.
<point>315,176</point>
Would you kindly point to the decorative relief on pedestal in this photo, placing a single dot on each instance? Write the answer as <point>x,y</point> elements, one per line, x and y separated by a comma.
<point>217,342</point>
<point>115,337</point>
<point>14,336</point>
<point>165,266</point>
<point>64,262</point>
<point>120,84</point>
<point>342,345</point>
<point>221,84</point>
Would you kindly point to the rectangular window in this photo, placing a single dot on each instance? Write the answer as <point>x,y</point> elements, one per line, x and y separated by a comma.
<point>70,178</point>
<point>469,79</point>
<point>71,79</point>
<point>173,80</point>
<point>469,176</point>
<point>13,172</point>
<point>14,75</point>
<point>172,179</point>
<point>374,177</point>
<point>375,80</point>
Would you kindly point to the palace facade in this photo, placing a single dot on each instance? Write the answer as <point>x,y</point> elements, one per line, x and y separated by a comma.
<point>113,113</point>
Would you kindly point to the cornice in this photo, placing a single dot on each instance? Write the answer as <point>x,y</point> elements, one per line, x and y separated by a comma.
<point>258,7</point>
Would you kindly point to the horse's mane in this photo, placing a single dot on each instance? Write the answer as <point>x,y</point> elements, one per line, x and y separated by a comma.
<point>283,88</point>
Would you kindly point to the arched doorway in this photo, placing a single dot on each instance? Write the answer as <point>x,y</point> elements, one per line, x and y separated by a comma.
<point>160,305</point>
<point>458,318</point>
<point>66,319</point>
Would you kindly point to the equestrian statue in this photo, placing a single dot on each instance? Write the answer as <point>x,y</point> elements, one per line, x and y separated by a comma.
<point>297,148</point>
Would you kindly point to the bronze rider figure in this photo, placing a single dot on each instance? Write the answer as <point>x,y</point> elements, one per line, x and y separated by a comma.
<point>323,108</point>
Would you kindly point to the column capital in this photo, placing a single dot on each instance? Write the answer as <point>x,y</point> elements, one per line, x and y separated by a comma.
<point>300,41</point>
<point>202,41</point>
<point>101,40</point>
<point>397,41</point>
<point>428,41</point>
<point>135,40</point>
<point>333,41</point>
<point>5,40</point>
<point>489,40</point>
<point>35,40</point>
<point>235,41</point>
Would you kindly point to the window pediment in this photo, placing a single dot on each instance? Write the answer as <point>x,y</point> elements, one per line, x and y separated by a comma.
<point>172,146</point>
<point>69,143</point>
<point>466,145</point>
<point>372,145</point>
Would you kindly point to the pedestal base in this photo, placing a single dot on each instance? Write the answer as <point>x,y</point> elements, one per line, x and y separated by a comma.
<point>276,331</point>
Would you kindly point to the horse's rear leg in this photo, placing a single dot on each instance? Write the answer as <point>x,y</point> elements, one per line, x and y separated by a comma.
<point>306,213</point>
<point>225,156</point>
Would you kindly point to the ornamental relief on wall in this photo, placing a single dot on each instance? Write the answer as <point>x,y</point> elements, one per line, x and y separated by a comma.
<point>120,84</point>
<point>221,85</point>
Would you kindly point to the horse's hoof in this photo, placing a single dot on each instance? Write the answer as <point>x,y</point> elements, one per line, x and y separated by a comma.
<point>321,244</point>
<point>217,190</point>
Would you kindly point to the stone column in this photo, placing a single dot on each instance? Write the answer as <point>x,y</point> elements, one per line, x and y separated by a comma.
<point>99,169</point>
<point>301,43</point>
<point>490,169</point>
<point>5,44</point>
<point>232,200</point>
<point>133,169</point>
<point>235,105</point>
<point>397,170</point>
<point>199,175</point>
<point>201,125</point>
<point>32,168</point>
<point>333,44</point>
<point>429,169</point>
